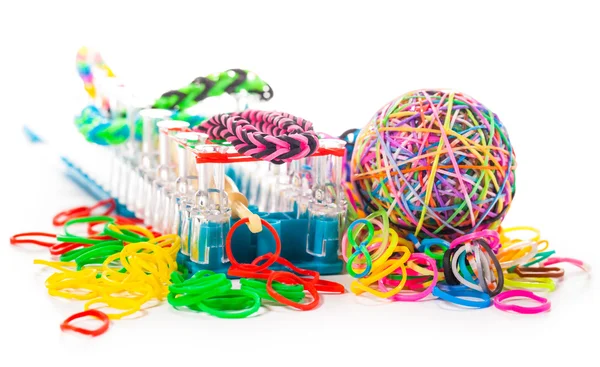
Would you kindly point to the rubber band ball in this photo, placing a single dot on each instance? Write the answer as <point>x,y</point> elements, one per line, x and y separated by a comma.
<point>439,162</point>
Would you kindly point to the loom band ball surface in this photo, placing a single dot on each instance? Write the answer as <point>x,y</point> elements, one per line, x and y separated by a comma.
<point>500,303</point>
<point>460,296</point>
<point>247,267</point>
<point>18,239</point>
<point>66,325</point>
<point>290,278</point>
<point>491,236</point>
<point>539,272</point>
<point>512,281</point>
<point>225,310</point>
<point>417,296</point>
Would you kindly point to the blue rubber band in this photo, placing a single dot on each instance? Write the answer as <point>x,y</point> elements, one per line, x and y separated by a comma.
<point>453,294</point>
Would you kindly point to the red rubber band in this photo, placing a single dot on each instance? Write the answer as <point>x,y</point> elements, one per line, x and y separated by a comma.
<point>251,267</point>
<point>63,247</point>
<point>93,313</point>
<point>14,239</point>
<point>288,278</point>
<point>63,217</point>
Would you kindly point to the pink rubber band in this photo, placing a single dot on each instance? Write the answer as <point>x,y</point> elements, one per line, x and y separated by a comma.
<point>556,260</point>
<point>494,239</point>
<point>417,296</point>
<point>543,307</point>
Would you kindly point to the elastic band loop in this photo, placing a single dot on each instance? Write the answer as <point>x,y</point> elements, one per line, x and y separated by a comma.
<point>14,240</point>
<point>543,307</point>
<point>289,277</point>
<point>93,313</point>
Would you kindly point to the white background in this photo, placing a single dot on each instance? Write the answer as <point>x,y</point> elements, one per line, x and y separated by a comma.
<point>534,63</point>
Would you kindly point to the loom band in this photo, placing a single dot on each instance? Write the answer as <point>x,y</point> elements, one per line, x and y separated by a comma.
<point>184,300</point>
<point>71,295</point>
<point>62,248</point>
<point>66,325</point>
<point>107,249</point>
<point>512,281</point>
<point>539,257</point>
<point>539,272</point>
<point>547,244</point>
<point>350,263</point>
<point>197,287</point>
<point>315,276</point>
<point>74,254</point>
<point>242,312</point>
<point>411,284</point>
<point>496,265</point>
<point>480,235</point>
<point>117,234</point>
<point>503,306</point>
<point>260,284</point>
<point>226,303</point>
<point>253,268</point>
<point>58,265</point>
<point>427,291</point>
<point>536,233</point>
<point>457,296</point>
<point>294,279</point>
<point>383,225</point>
<point>88,219</point>
<point>364,285</point>
<point>295,293</point>
<point>358,264</point>
<point>203,273</point>
<point>447,267</point>
<point>477,286</point>
<point>389,267</point>
<point>264,295</point>
<point>346,250</point>
<point>132,249</point>
<point>523,255</point>
<point>576,262</point>
<point>138,230</point>
<point>62,217</point>
<point>16,239</point>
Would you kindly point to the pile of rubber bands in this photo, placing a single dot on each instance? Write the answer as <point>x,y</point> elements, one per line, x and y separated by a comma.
<point>476,270</point>
<point>125,266</point>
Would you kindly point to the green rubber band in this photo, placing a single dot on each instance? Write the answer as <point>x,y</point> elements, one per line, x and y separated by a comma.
<point>293,292</point>
<point>73,254</point>
<point>91,219</point>
<point>125,236</point>
<point>198,287</point>
<point>182,300</point>
<point>226,296</point>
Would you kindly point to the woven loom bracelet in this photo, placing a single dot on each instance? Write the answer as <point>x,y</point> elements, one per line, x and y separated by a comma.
<point>270,136</point>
